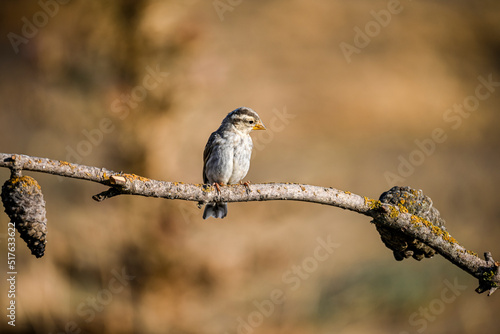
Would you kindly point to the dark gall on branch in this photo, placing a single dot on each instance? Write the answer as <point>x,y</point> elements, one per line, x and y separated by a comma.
<point>416,203</point>
<point>23,202</point>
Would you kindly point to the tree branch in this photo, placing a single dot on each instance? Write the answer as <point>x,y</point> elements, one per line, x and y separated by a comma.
<point>394,217</point>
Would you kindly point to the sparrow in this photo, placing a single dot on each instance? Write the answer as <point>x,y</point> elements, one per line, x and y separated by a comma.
<point>226,158</point>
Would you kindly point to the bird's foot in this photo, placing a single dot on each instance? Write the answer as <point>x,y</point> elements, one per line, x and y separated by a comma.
<point>247,186</point>
<point>217,187</point>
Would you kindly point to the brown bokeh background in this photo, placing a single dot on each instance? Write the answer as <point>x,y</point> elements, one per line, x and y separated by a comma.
<point>330,122</point>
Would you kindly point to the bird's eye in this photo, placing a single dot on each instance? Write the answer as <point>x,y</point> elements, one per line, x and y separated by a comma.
<point>251,122</point>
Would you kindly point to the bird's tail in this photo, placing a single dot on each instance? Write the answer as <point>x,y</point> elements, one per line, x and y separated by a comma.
<point>216,210</point>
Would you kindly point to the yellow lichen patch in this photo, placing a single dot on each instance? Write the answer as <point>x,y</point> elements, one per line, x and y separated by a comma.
<point>347,192</point>
<point>489,276</point>
<point>446,236</point>
<point>134,177</point>
<point>415,220</point>
<point>436,230</point>
<point>393,213</point>
<point>402,209</point>
<point>65,163</point>
<point>26,181</point>
<point>372,203</point>
<point>15,180</point>
<point>402,202</point>
<point>303,188</point>
<point>471,253</point>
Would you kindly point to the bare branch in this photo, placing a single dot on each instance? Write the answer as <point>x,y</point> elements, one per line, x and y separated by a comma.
<point>391,216</point>
<point>131,184</point>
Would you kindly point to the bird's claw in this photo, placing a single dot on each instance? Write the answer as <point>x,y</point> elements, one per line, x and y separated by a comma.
<point>217,188</point>
<point>247,186</point>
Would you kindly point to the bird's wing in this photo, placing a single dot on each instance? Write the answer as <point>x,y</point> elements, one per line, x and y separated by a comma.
<point>207,152</point>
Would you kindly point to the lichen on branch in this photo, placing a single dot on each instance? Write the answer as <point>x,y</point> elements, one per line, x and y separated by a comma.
<point>405,218</point>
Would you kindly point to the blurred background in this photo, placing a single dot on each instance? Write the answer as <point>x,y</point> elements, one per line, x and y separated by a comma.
<point>352,94</point>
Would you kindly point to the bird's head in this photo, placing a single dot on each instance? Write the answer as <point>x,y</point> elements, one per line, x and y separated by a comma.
<point>244,119</point>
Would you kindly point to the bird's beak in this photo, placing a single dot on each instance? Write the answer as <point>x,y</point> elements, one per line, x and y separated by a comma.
<point>259,126</point>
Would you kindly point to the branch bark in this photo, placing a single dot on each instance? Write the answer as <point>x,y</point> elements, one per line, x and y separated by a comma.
<point>391,216</point>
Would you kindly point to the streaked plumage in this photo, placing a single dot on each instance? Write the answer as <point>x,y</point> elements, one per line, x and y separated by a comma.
<point>226,158</point>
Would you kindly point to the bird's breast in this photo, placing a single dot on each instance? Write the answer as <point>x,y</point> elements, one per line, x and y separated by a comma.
<point>241,158</point>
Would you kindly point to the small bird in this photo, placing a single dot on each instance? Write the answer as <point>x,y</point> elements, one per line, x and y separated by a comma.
<point>226,158</point>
